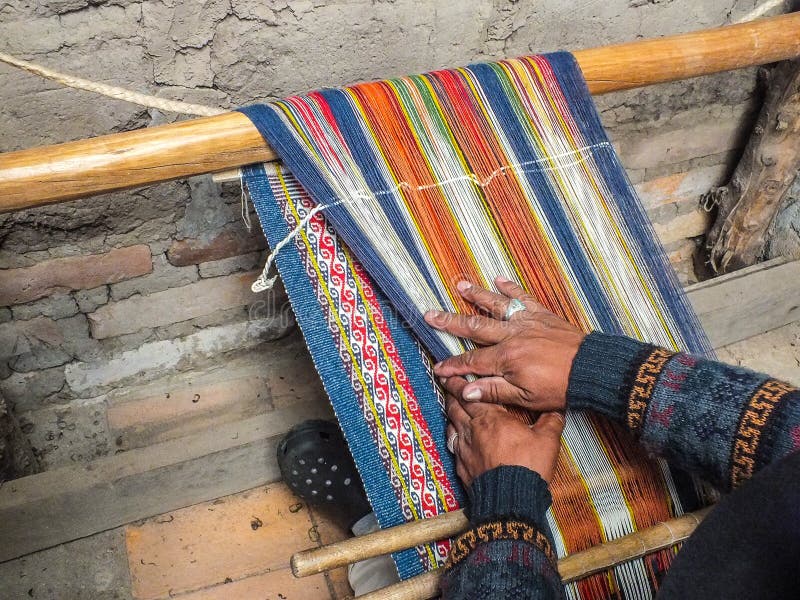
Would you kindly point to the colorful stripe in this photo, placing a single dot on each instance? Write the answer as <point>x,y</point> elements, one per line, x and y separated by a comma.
<point>494,169</point>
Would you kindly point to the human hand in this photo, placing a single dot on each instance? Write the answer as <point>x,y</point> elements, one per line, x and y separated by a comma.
<point>526,360</point>
<point>485,436</point>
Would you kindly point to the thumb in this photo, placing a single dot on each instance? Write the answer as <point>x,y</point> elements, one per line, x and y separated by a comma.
<point>549,424</point>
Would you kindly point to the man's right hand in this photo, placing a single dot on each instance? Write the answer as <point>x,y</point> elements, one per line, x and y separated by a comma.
<point>525,361</point>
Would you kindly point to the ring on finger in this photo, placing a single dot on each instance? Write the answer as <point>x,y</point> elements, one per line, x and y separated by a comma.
<point>451,442</point>
<point>514,306</point>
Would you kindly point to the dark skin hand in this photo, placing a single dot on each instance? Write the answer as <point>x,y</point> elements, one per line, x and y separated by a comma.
<point>489,436</point>
<point>524,362</point>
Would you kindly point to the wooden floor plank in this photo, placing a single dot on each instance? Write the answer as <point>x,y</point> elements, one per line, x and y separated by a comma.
<point>749,302</point>
<point>277,585</point>
<point>329,530</point>
<point>57,506</point>
<point>228,539</point>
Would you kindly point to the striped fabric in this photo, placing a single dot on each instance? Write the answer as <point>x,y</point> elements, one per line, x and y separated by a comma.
<point>494,169</point>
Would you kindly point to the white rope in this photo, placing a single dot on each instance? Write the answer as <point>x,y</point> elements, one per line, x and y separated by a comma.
<point>265,281</point>
<point>112,91</point>
<point>245,208</point>
<point>759,11</point>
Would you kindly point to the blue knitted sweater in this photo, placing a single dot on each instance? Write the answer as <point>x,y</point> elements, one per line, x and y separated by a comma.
<point>720,422</point>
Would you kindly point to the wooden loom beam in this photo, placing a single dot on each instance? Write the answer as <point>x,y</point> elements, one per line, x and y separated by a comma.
<point>51,174</point>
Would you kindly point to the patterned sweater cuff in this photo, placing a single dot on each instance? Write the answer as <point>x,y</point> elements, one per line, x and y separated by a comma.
<point>601,374</point>
<point>509,492</point>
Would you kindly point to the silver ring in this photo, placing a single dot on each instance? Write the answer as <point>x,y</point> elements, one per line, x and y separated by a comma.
<point>451,442</point>
<point>513,307</point>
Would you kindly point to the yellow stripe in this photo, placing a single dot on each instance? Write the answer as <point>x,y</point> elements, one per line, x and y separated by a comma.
<point>400,391</point>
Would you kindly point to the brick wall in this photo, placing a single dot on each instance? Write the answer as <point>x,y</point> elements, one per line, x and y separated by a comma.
<point>103,298</point>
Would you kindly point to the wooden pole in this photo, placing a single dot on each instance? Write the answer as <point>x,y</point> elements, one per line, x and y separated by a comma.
<point>573,567</point>
<point>51,174</point>
<point>383,541</point>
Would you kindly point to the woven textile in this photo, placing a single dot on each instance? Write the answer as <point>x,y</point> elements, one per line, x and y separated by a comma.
<point>494,169</point>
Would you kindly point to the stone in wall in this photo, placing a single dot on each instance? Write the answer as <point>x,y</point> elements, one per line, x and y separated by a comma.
<point>243,262</point>
<point>57,306</point>
<point>163,277</point>
<point>151,359</point>
<point>172,305</point>
<point>27,391</point>
<point>42,342</point>
<point>90,300</point>
<point>72,273</point>
<point>227,244</point>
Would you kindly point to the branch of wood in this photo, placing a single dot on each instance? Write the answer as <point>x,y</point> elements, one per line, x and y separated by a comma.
<point>747,205</point>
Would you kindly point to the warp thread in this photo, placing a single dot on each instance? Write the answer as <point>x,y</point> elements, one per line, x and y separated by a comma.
<point>265,282</point>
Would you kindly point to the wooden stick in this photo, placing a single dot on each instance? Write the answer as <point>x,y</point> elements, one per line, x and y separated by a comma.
<point>51,174</point>
<point>573,567</point>
<point>747,205</point>
<point>384,541</point>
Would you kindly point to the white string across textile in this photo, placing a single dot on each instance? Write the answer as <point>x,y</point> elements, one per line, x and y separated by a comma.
<point>266,282</point>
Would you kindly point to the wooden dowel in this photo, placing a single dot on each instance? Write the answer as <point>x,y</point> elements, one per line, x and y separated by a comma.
<point>634,545</point>
<point>384,541</point>
<point>573,567</point>
<point>421,587</point>
<point>50,174</point>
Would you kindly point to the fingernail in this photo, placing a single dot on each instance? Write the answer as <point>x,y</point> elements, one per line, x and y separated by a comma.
<point>473,395</point>
<point>432,318</point>
<point>443,380</point>
<point>463,286</point>
<point>499,279</point>
<point>437,365</point>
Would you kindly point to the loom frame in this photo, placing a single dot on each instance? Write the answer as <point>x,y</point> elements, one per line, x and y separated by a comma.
<point>61,172</point>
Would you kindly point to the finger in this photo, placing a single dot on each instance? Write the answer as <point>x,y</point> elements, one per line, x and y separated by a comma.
<point>457,416</point>
<point>453,385</point>
<point>494,390</point>
<point>495,304</point>
<point>481,409</point>
<point>481,362</point>
<point>478,328</point>
<point>514,290</point>
<point>549,424</point>
<point>451,431</point>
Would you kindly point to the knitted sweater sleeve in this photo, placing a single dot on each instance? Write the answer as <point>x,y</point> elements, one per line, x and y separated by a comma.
<point>508,551</point>
<point>717,421</point>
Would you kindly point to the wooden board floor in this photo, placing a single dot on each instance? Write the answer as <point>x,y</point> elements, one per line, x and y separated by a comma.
<point>233,547</point>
